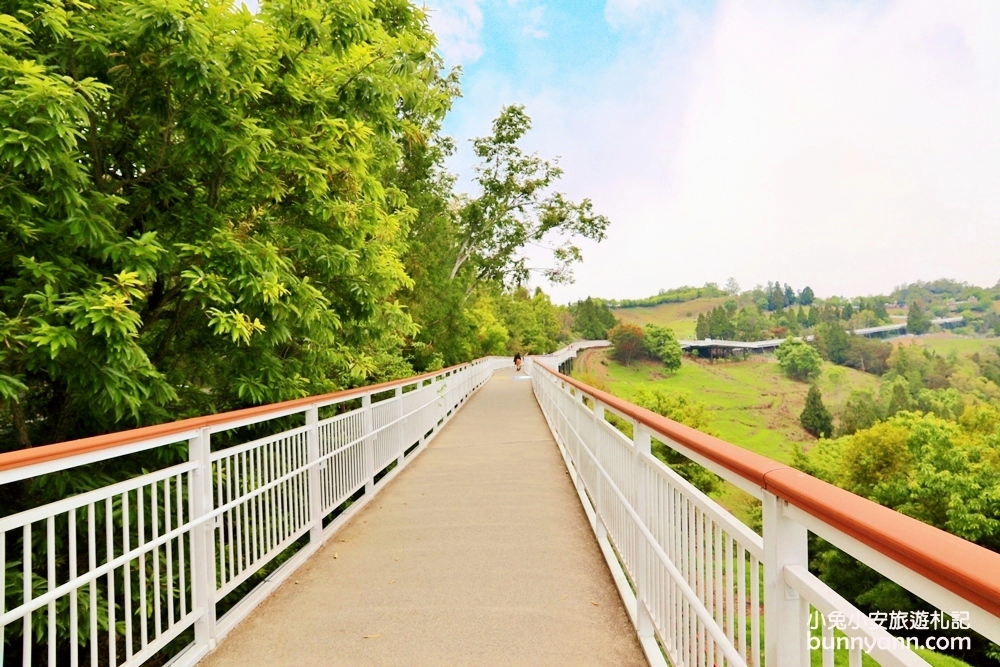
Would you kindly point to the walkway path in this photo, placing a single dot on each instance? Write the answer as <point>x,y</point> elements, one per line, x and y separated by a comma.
<point>478,554</point>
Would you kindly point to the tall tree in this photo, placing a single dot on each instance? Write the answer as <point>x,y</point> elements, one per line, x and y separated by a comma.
<point>194,212</point>
<point>815,418</point>
<point>806,296</point>
<point>517,207</point>
<point>917,320</point>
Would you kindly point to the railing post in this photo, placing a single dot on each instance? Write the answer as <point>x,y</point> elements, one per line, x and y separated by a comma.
<point>786,615</point>
<point>202,538</point>
<point>642,445</point>
<point>401,427</point>
<point>368,426</point>
<point>315,475</point>
<point>599,527</point>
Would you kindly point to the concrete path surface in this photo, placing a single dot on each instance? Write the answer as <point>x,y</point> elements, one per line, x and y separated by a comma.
<point>477,554</point>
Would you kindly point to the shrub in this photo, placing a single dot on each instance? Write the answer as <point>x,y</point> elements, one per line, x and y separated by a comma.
<point>627,339</point>
<point>661,344</point>
<point>799,360</point>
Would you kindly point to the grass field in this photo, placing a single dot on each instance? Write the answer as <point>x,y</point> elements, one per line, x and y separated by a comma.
<point>946,343</point>
<point>681,317</point>
<point>751,403</point>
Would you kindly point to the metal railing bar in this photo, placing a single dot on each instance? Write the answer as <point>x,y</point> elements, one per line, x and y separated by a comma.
<point>75,502</point>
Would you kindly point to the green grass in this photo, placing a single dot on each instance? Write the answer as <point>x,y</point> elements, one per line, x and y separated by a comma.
<point>945,343</point>
<point>751,403</point>
<point>681,317</point>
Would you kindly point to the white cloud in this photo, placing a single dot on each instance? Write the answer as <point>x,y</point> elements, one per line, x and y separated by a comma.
<point>534,22</point>
<point>458,25</point>
<point>848,147</point>
<point>621,13</point>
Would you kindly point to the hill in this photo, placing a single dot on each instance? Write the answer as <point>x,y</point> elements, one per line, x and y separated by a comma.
<point>751,403</point>
<point>681,317</point>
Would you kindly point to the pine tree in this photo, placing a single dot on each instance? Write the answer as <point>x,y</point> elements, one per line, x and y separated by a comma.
<point>917,321</point>
<point>815,418</point>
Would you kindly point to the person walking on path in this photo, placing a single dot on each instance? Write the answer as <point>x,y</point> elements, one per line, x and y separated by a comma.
<point>517,362</point>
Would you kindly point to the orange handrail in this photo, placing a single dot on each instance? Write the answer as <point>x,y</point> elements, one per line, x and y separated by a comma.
<point>61,450</point>
<point>948,560</point>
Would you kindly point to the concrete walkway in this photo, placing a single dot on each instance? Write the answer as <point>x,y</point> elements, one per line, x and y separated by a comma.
<point>478,554</point>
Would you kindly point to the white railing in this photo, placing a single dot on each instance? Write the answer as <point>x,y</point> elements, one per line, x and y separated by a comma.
<point>702,588</point>
<point>138,568</point>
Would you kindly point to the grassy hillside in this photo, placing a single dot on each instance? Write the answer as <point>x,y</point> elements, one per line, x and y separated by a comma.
<point>752,404</point>
<point>681,317</point>
<point>946,343</point>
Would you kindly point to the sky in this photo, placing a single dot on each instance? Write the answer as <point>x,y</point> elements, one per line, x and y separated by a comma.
<point>851,146</point>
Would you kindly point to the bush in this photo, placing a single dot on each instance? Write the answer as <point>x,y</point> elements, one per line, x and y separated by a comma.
<point>798,360</point>
<point>628,342</point>
<point>815,418</point>
<point>661,344</point>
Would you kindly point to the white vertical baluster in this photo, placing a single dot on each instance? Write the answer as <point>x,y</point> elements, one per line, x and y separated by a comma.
<point>369,441</point>
<point>642,444</point>
<point>755,609</point>
<point>92,561</point>
<point>3,589</point>
<point>154,516</point>
<point>50,575</point>
<point>785,543</point>
<point>599,526</point>
<point>109,530</point>
<point>203,546</point>
<point>26,587</point>
<point>168,525</point>
<point>828,645</point>
<point>315,485</point>
<point>178,482</point>
<point>143,601</point>
<point>400,428</point>
<point>127,577</point>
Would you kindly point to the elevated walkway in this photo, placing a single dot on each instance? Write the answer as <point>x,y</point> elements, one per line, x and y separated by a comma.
<point>493,519</point>
<point>479,553</point>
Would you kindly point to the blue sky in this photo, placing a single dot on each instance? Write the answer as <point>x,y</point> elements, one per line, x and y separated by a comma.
<point>848,145</point>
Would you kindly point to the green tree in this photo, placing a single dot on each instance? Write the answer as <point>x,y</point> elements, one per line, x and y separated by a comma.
<point>701,329</point>
<point>517,207</point>
<point>799,360</point>
<point>868,355</point>
<point>789,296</point>
<point>661,344</point>
<point>806,296</point>
<point>462,245</point>
<point>833,342</point>
<point>189,221</point>
<point>917,320</point>
<point>815,418</point>
<point>628,342</point>
<point>859,412</point>
<point>592,318</point>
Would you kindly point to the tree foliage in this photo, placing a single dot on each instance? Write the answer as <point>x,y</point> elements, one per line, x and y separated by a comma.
<point>661,344</point>
<point>628,342</point>
<point>196,213</point>
<point>516,207</point>
<point>592,318</point>
<point>799,360</point>
<point>815,418</point>
<point>917,320</point>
